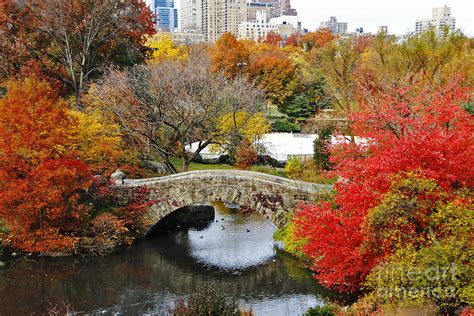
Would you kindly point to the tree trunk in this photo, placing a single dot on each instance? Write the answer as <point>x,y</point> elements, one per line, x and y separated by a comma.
<point>185,164</point>
<point>170,166</point>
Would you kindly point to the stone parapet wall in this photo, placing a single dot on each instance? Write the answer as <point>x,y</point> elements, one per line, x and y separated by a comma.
<point>273,197</point>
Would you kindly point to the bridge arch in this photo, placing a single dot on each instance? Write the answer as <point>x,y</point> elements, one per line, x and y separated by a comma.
<point>270,196</point>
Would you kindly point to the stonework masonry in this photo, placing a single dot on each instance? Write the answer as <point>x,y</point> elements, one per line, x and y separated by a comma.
<point>271,196</point>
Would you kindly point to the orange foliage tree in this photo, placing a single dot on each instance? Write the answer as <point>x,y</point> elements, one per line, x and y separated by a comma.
<point>317,39</point>
<point>277,77</point>
<point>229,56</point>
<point>40,180</point>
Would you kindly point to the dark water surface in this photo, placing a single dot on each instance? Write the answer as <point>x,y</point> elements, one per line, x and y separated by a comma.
<point>236,254</point>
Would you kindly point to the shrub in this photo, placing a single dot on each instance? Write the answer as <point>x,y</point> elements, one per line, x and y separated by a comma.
<point>108,226</point>
<point>441,273</point>
<point>294,168</point>
<point>246,155</point>
<point>268,161</point>
<point>206,302</point>
<point>320,311</point>
<point>285,127</point>
<point>292,243</point>
<point>429,232</point>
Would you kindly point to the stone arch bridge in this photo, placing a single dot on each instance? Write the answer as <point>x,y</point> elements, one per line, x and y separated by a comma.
<point>271,196</point>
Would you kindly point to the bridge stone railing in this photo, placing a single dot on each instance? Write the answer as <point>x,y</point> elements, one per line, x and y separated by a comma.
<point>271,196</point>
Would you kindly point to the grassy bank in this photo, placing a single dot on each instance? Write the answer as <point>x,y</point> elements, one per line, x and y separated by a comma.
<point>280,172</point>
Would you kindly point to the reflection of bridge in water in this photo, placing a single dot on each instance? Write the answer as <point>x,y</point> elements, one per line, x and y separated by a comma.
<point>268,195</point>
<point>148,276</point>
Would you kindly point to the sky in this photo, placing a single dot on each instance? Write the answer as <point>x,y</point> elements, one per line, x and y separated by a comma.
<point>399,15</point>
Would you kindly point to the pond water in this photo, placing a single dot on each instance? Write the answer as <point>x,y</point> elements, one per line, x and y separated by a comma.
<point>235,253</point>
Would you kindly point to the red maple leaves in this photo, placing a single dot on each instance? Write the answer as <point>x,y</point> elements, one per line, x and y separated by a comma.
<point>427,132</point>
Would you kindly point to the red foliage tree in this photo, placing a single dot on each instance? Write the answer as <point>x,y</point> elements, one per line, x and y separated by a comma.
<point>428,132</point>
<point>40,184</point>
<point>273,39</point>
<point>246,155</point>
<point>293,40</point>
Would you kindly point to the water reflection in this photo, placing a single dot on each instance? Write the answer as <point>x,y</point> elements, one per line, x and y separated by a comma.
<point>149,277</point>
<point>232,241</point>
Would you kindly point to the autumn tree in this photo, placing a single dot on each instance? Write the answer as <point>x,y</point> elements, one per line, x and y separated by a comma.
<point>312,91</point>
<point>82,36</point>
<point>317,39</point>
<point>277,78</point>
<point>424,60</point>
<point>163,47</point>
<point>273,39</point>
<point>40,180</point>
<point>229,56</point>
<point>13,52</point>
<point>97,141</point>
<point>246,155</point>
<point>162,108</point>
<point>243,128</point>
<point>428,132</point>
<point>293,40</point>
<point>338,62</point>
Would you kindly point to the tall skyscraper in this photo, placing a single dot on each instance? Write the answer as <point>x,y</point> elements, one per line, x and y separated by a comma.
<point>166,15</point>
<point>441,20</point>
<point>221,16</point>
<point>191,15</point>
<point>254,7</point>
<point>279,7</point>
<point>286,8</point>
<point>339,28</point>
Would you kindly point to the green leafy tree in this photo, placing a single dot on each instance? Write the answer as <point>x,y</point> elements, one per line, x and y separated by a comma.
<point>299,107</point>
<point>321,150</point>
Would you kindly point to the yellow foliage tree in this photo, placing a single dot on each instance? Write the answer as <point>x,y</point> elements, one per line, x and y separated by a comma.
<point>98,142</point>
<point>164,48</point>
<point>251,128</point>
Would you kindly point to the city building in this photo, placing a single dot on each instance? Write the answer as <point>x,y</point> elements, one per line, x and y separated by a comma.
<point>254,7</point>
<point>221,16</point>
<point>441,20</point>
<point>257,29</point>
<point>286,8</point>
<point>190,19</point>
<point>383,29</point>
<point>278,7</point>
<point>339,28</point>
<point>166,15</point>
<point>286,25</point>
<point>188,37</point>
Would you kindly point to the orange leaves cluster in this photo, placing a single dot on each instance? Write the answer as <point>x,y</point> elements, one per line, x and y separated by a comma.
<point>34,124</point>
<point>317,39</point>
<point>277,77</point>
<point>229,56</point>
<point>40,181</point>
